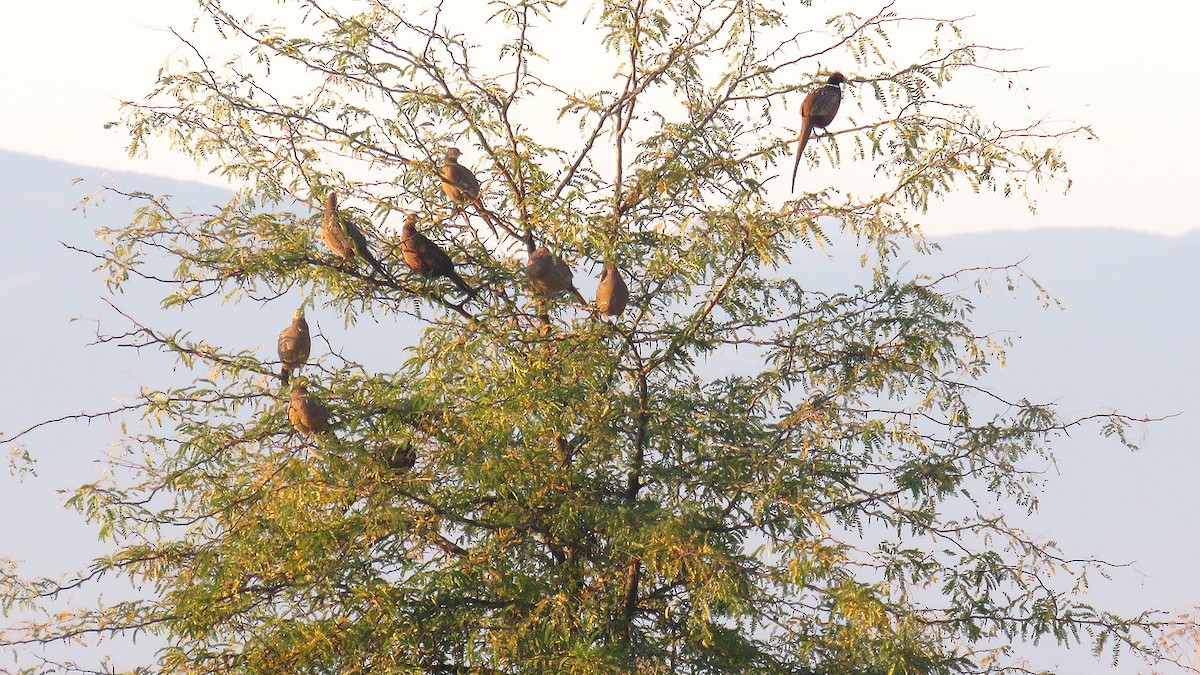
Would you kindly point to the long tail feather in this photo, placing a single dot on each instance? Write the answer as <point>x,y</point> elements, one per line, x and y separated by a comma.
<point>805,133</point>
<point>471,293</point>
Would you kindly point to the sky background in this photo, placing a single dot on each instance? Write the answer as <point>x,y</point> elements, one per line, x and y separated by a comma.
<point>1128,74</point>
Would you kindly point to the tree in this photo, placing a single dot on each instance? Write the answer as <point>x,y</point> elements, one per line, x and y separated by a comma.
<point>536,488</point>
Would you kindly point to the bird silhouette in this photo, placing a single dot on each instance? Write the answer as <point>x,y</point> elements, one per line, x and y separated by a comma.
<point>612,295</point>
<point>307,414</point>
<point>400,457</point>
<point>294,345</point>
<point>344,238</point>
<point>549,275</point>
<point>818,110</point>
<point>426,258</point>
<point>459,184</point>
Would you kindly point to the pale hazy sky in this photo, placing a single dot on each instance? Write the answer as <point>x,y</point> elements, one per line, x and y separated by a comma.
<point>1128,73</point>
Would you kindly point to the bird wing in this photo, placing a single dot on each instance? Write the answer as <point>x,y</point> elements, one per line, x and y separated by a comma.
<point>824,105</point>
<point>433,253</point>
<point>466,180</point>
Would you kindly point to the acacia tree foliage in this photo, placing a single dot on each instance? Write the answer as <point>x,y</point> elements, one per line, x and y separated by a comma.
<point>588,495</point>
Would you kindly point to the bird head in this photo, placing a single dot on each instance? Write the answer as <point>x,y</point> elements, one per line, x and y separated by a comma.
<point>837,78</point>
<point>331,202</point>
<point>452,154</point>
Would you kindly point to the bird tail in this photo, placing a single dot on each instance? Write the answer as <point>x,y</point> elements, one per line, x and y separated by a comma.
<point>471,292</point>
<point>285,375</point>
<point>579,296</point>
<point>363,249</point>
<point>378,267</point>
<point>805,133</point>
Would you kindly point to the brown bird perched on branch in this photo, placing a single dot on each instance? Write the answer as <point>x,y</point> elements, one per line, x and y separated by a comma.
<point>549,275</point>
<point>818,110</point>
<point>307,414</point>
<point>294,345</point>
<point>344,238</point>
<point>459,184</point>
<point>612,295</point>
<point>426,258</point>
